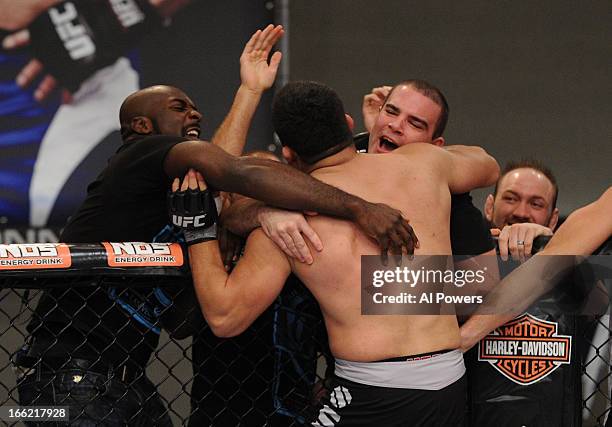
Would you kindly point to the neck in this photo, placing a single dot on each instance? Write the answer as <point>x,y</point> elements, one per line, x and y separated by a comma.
<point>340,157</point>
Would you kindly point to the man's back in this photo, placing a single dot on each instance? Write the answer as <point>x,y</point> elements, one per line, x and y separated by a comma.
<point>414,181</point>
<point>401,384</point>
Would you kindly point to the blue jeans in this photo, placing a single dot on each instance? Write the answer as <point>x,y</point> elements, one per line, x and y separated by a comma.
<point>94,399</point>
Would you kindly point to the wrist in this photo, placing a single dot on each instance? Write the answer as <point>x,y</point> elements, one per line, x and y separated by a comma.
<point>195,236</point>
<point>260,212</point>
<point>254,93</point>
<point>468,337</point>
<point>355,207</point>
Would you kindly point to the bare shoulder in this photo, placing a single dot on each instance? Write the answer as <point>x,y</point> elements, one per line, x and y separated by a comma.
<point>422,149</point>
<point>424,154</point>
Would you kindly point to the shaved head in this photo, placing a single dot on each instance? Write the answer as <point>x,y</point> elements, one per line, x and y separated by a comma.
<point>145,103</point>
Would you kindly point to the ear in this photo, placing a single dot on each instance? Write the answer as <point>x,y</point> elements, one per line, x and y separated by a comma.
<point>289,155</point>
<point>488,208</point>
<point>292,158</point>
<point>350,122</point>
<point>554,218</point>
<point>439,141</point>
<point>142,125</point>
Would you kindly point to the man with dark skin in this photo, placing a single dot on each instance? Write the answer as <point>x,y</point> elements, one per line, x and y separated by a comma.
<point>164,110</point>
<point>93,337</point>
<point>278,184</point>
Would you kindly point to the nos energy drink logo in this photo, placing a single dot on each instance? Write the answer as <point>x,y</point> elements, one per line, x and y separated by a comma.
<point>138,254</point>
<point>34,256</point>
<point>526,349</point>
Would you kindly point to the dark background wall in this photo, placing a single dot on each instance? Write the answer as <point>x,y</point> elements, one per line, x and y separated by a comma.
<point>199,53</point>
<point>523,78</point>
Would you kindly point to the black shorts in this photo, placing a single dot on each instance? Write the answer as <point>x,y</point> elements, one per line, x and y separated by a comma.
<point>348,403</point>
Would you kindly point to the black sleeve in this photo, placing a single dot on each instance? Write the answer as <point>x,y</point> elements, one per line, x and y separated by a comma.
<point>469,231</point>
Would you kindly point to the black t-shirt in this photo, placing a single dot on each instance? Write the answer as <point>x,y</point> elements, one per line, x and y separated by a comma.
<point>126,202</point>
<point>469,232</point>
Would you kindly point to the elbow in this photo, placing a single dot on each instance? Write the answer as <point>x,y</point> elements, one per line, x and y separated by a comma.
<point>236,176</point>
<point>492,167</point>
<point>224,326</point>
<point>495,171</point>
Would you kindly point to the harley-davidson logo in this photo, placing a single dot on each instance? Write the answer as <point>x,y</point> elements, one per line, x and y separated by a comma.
<point>526,349</point>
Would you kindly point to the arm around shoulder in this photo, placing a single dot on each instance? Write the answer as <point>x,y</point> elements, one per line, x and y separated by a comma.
<point>471,167</point>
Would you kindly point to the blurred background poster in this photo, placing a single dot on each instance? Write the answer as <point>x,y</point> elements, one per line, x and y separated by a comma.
<point>50,150</point>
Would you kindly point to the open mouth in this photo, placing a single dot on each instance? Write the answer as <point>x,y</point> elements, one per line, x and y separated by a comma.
<point>386,144</point>
<point>193,132</point>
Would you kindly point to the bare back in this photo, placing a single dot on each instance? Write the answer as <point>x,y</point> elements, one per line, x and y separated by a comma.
<point>411,183</point>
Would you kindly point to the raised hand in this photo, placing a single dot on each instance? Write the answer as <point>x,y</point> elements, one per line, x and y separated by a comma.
<point>256,73</point>
<point>372,103</point>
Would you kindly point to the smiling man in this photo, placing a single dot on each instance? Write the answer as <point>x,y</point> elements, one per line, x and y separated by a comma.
<point>522,207</point>
<point>413,111</point>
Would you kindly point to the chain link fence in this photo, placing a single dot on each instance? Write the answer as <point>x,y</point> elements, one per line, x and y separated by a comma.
<point>112,326</point>
<point>102,324</point>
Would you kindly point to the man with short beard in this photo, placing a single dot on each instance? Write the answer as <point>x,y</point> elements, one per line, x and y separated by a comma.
<point>522,207</point>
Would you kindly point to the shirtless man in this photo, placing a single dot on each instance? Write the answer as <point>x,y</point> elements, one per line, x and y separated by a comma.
<point>310,121</point>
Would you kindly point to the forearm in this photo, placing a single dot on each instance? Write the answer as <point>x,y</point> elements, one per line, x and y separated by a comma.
<point>241,217</point>
<point>210,280</point>
<point>479,326</point>
<point>280,185</point>
<point>230,303</point>
<point>517,292</point>
<point>272,182</point>
<point>231,135</point>
<point>584,230</point>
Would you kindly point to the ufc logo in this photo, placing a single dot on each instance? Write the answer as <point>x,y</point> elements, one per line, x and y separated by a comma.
<point>186,221</point>
<point>76,40</point>
<point>127,12</point>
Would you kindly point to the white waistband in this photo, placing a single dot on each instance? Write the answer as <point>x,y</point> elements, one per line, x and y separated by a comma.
<point>433,373</point>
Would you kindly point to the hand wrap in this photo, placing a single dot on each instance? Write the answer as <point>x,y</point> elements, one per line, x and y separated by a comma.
<point>195,213</point>
<point>74,39</point>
